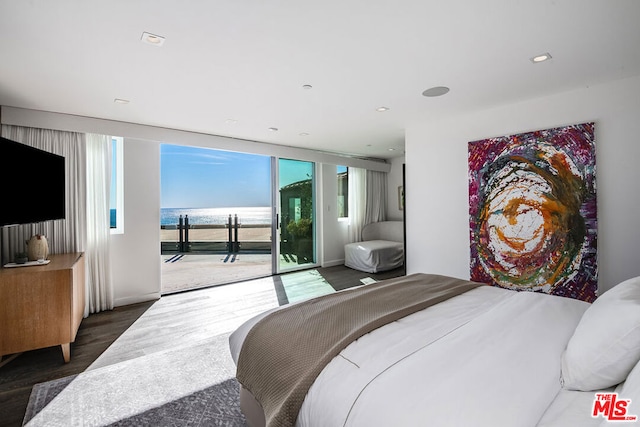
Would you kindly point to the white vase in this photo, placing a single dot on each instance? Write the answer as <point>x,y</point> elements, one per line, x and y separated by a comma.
<point>37,247</point>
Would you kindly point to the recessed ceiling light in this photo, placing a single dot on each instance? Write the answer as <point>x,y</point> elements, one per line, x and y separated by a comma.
<point>121,101</point>
<point>381,109</point>
<point>540,58</point>
<point>152,39</point>
<point>273,129</point>
<point>304,134</point>
<point>435,91</point>
<point>231,121</point>
<point>307,87</point>
<point>391,149</point>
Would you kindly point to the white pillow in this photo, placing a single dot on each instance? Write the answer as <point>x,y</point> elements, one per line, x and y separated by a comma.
<point>606,343</point>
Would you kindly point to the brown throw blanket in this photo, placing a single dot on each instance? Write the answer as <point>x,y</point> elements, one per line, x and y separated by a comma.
<point>284,353</point>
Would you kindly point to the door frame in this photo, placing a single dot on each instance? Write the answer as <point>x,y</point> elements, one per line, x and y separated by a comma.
<point>277,215</point>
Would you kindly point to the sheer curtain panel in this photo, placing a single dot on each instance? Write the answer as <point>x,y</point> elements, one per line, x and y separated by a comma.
<point>376,197</point>
<point>99,285</point>
<point>357,203</point>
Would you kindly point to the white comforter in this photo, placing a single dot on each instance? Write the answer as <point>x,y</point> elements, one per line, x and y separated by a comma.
<point>489,357</point>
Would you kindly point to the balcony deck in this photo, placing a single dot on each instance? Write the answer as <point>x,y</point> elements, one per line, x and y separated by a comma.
<point>193,271</point>
<point>208,261</point>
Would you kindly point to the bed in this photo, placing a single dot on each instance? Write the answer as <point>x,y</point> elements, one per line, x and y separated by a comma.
<point>381,248</point>
<point>482,356</point>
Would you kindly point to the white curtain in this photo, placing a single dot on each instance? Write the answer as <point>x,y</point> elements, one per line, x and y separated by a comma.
<point>357,202</point>
<point>376,197</point>
<point>99,285</point>
<point>66,235</point>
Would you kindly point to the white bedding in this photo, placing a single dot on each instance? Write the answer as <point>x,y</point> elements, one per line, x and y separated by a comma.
<point>571,408</point>
<point>489,357</point>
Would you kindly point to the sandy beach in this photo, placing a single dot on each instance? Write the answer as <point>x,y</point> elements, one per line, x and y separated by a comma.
<point>202,234</point>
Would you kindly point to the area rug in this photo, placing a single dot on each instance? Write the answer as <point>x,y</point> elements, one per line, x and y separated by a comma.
<point>192,385</point>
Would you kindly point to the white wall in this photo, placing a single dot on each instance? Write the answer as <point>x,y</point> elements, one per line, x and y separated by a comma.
<point>394,180</point>
<point>335,231</point>
<point>437,187</point>
<point>135,255</point>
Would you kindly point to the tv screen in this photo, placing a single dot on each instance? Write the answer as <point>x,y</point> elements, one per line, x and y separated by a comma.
<point>33,184</point>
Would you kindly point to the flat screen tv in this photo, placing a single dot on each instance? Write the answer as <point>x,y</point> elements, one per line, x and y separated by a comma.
<point>33,184</point>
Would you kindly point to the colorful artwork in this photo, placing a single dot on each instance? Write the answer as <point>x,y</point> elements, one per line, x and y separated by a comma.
<point>532,211</point>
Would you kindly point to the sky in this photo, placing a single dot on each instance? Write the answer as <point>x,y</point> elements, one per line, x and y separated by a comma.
<point>195,177</point>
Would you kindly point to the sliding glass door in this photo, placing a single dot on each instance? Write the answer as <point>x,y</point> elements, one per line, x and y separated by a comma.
<point>294,202</point>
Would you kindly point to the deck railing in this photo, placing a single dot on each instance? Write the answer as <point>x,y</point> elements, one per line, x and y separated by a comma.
<point>232,237</point>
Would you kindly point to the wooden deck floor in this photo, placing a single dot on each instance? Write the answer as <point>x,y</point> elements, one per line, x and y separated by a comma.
<point>175,320</point>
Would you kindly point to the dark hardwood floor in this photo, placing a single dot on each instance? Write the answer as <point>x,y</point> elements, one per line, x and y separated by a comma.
<point>97,333</point>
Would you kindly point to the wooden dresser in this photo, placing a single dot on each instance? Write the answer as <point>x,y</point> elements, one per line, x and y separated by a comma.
<point>42,306</point>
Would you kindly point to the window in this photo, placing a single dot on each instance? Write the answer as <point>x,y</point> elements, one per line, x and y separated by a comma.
<point>343,191</point>
<point>116,199</point>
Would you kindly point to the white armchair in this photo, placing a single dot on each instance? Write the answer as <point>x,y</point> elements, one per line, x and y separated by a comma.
<point>381,248</point>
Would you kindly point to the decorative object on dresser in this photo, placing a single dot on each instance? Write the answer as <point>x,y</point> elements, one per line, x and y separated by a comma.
<point>42,306</point>
<point>21,258</point>
<point>38,248</point>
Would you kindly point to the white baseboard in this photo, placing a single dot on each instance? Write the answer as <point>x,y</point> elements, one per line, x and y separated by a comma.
<point>136,299</point>
<point>333,263</point>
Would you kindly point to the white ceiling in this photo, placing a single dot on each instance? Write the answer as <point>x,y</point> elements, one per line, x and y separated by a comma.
<point>247,60</point>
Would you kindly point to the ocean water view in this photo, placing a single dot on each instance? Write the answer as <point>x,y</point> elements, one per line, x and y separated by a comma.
<point>246,215</point>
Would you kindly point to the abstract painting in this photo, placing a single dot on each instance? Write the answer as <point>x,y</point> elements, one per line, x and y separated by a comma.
<point>532,211</point>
